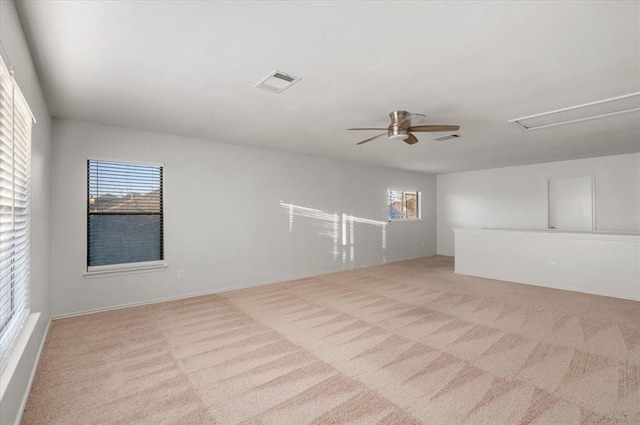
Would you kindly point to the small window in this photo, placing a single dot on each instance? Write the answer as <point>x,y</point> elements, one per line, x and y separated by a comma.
<point>124,215</point>
<point>403,205</point>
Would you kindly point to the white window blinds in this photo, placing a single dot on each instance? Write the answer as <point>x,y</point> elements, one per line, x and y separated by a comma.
<point>124,214</point>
<point>15,171</point>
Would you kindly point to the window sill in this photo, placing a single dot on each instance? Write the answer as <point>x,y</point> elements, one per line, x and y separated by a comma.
<point>403,220</point>
<point>17,351</point>
<point>124,270</point>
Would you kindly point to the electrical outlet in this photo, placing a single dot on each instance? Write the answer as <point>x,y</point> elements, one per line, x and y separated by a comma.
<point>180,274</point>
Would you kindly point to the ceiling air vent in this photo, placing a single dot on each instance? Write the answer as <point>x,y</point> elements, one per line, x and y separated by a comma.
<point>588,111</point>
<point>443,138</point>
<point>277,82</point>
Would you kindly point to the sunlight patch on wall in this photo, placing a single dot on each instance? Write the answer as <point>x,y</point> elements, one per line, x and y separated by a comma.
<point>339,227</point>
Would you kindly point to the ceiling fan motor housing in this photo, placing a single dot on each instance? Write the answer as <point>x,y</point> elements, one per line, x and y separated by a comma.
<point>399,127</point>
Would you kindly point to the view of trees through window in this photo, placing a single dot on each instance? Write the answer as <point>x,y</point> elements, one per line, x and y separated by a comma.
<point>124,213</point>
<point>403,205</point>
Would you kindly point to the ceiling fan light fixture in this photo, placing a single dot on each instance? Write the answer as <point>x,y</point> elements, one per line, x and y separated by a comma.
<point>398,136</point>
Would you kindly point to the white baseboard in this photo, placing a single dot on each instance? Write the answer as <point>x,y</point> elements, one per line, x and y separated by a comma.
<point>160,300</point>
<point>218,291</point>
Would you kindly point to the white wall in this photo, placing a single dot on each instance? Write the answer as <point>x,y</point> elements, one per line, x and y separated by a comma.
<point>596,263</point>
<point>17,50</point>
<point>225,224</point>
<point>514,197</point>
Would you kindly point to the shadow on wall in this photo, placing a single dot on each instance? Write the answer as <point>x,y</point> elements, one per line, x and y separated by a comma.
<point>338,227</point>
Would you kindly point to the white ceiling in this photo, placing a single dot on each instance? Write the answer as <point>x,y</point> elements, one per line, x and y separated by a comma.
<point>188,68</point>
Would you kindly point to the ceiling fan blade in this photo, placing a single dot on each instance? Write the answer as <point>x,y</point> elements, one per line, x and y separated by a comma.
<point>411,139</point>
<point>368,128</point>
<point>435,128</point>
<point>371,138</point>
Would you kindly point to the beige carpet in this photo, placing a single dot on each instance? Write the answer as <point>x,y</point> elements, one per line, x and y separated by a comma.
<point>404,343</point>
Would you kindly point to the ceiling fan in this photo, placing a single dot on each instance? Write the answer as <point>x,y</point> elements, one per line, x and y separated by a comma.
<point>401,128</point>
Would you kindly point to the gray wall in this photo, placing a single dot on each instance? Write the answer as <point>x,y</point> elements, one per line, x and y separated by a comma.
<point>234,216</point>
<point>17,50</point>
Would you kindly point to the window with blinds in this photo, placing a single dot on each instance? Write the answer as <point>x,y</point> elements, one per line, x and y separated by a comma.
<point>124,215</point>
<point>15,170</point>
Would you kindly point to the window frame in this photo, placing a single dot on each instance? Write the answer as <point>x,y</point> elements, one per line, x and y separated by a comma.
<point>404,192</point>
<point>125,268</point>
<point>21,120</point>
